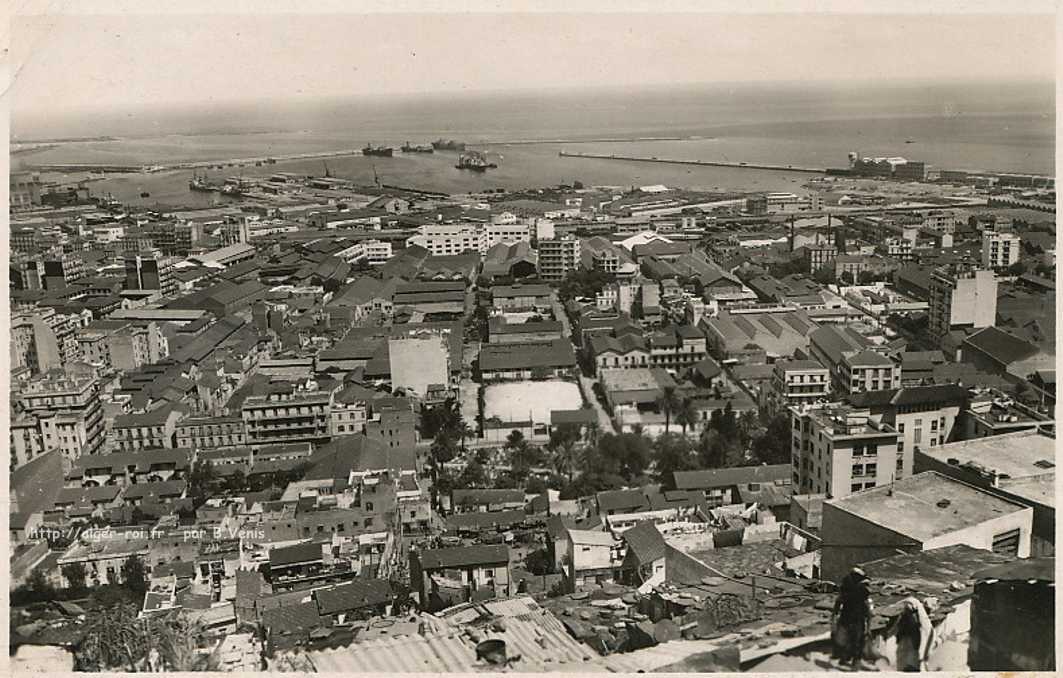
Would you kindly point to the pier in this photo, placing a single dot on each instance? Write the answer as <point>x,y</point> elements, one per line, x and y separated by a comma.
<point>700,163</point>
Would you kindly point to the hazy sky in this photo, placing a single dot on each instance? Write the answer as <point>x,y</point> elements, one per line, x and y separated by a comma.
<point>123,61</point>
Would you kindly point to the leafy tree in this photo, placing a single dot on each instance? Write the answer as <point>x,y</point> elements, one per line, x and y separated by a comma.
<point>133,575</point>
<point>331,285</point>
<point>773,445</point>
<point>628,453</point>
<point>473,475</point>
<point>1017,269</point>
<point>846,277</point>
<point>200,481</point>
<point>583,283</point>
<point>75,575</point>
<point>236,481</point>
<point>672,452</point>
<point>866,277</point>
<point>535,485</point>
<point>824,275</point>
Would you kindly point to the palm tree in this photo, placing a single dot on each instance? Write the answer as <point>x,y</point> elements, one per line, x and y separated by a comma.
<point>687,415</point>
<point>668,403</point>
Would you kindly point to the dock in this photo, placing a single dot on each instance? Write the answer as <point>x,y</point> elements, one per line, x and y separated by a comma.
<point>700,163</point>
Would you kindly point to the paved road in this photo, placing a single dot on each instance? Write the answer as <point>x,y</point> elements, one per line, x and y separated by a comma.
<point>586,384</point>
<point>587,387</point>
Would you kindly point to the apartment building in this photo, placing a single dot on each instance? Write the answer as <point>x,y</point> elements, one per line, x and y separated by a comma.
<point>961,297</point>
<point>1000,249</point>
<point>285,415</point>
<point>205,433</point>
<point>838,449</point>
<point>448,239</point>
<point>558,256</point>
<point>150,271</point>
<point>796,382</point>
<point>853,362</point>
<point>57,411</point>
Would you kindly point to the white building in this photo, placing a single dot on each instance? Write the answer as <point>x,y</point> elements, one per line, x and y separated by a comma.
<point>1000,250</point>
<point>447,239</point>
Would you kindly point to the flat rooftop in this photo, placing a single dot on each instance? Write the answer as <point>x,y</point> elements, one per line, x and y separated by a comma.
<point>1018,455</point>
<point>925,506</point>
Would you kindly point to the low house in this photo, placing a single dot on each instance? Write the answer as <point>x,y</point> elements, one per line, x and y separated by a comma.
<point>521,297</point>
<point>447,576</point>
<point>594,557</point>
<point>644,559</point>
<point>527,361</point>
<point>726,486</point>
<point>477,500</point>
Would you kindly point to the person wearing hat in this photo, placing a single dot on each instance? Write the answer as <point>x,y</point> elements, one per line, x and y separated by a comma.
<point>852,616</point>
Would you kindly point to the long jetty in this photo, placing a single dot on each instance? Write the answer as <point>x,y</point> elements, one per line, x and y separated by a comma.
<point>198,164</point>
<point>701,163</point>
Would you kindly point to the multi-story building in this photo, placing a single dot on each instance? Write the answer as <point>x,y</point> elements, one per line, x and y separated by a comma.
<point>943,222</point>
<point>150,271</point>
<point>853,362</point>
<point>1000,249</point>
<point>393,422</point>
<point>447,239</point>
<point>66,412</point>
<point>601,254</point>
<point>990,412</point>
<point>899,249</point>
<point>350,410</point>
<point>62,268</point>
<point>285,415</point>
<point>838,449</point>
<point>370,251</point>
<point>961,297</point>
<point>205,433</point>
<point>122,345</point>
<point>25,190</point>
<point>924,417</point>
<point>796,382</point>
<point>509,233</point>
<point>558,256</point>
<point>45,339</point>
<point>150,430</point>
<point>820,255</point>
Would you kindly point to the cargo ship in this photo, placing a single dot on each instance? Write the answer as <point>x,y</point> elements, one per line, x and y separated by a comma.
<point>420,148</point>
<point>378,151</point>
<point>475,161</point>
<point>448,145</point>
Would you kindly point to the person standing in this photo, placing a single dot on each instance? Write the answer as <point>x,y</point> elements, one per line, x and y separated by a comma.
<point>852,615</point>
<point>914,633</point>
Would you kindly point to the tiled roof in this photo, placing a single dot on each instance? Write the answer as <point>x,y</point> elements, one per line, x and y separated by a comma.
<point>1001,346</point>
<point>645,542</point>
<point>464,556</point>
<point>291,555</point>
<point>729,477</point>
<point>477,497</point>
<point>486,520</point>
<point>558,353</point>
<point>354,595</point>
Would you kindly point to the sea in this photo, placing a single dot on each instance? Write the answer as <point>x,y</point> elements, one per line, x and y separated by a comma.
<point>956,125</point>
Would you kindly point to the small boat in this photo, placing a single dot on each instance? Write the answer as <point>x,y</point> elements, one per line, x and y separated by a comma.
<point>145,194</point>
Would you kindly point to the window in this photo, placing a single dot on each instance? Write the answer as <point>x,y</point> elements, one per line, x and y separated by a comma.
<point>934,425</point>
<point>933,442</point>
<point>855,487</point>
<point>871,469</point>
<point>918,437</point>
<point>1007,543</point>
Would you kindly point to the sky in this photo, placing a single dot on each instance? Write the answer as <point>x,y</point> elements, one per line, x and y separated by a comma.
<point>114,62</point>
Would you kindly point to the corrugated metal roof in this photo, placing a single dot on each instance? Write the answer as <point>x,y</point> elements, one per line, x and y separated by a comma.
<point>535,640</point>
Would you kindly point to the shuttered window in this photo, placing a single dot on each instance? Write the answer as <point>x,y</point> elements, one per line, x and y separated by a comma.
<point>1007,543</point>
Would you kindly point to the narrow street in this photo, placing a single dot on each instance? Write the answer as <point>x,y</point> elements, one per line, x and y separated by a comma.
<point>586,384</point>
